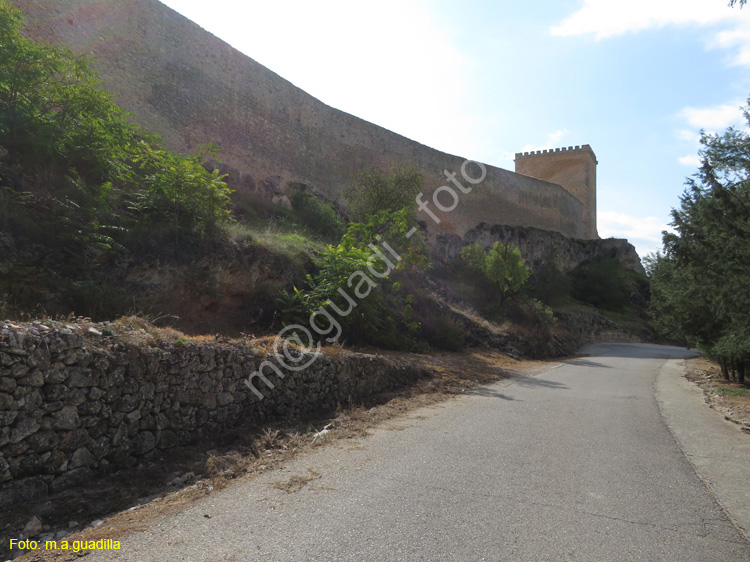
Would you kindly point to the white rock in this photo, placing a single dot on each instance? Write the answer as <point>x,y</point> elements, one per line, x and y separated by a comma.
<point>33,527</point>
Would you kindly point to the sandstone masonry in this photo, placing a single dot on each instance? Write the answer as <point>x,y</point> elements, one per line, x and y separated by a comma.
<point>574,168</point>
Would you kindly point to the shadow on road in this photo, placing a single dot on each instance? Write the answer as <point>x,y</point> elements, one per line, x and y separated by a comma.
<point>530,382</point>
<point>488,392</point>
<point>632,350</point>
<point>586,363</point>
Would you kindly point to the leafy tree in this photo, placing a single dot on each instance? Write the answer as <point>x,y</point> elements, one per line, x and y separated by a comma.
<point>383,314</point>
<point>71,159</point>
<point>740,3</point>
<point>391,227</point>
<point>701,280</point>
<point>177,190</point>
<point>317,215</point>
<point>503,266</point>
<point>76,176</point>
<point>375,191</point>
<point>53,117</point>
<point>475,256</point>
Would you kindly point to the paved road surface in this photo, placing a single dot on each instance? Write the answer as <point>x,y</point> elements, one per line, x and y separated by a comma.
<point>573,464</point>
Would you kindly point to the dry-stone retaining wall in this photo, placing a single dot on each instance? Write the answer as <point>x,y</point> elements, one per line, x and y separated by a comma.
<point>73,402</point>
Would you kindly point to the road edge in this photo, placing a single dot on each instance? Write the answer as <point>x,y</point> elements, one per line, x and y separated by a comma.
<point>718,451</point>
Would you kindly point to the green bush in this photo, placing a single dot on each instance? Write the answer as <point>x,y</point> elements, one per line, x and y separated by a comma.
<point>542,313</point>
<point>85,184</point>
<point>447,333</point>
<point>381,315</point>
<point>548,283</point>
<point>72,163</point>
<point>317,215</point>
<point>375,191</point>
<point>382,311</point>
<point>503,266</point>
<point>601,282</point>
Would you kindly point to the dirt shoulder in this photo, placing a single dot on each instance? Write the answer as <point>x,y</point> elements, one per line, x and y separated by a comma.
<point>729,398</point>
<point>130,500</point>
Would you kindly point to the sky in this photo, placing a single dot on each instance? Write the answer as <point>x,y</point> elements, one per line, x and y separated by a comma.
<point>483,79</point>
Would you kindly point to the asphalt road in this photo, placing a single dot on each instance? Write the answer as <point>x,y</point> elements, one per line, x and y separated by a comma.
<point>574,464</point>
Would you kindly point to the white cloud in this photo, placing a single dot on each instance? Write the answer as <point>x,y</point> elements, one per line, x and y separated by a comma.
<point>553,141</point>
<point>688,135</point>
<point>690,160</point>
<point>607,18</point>
<point>643,232</point>
<point>738,39</point>
<point>392,63</point>
<point>714,118</point>
<point>614,223</point>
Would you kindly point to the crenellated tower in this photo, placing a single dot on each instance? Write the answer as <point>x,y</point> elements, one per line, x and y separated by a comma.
<point>573,168</point>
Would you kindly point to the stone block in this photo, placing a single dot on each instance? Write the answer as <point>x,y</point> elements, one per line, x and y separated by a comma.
<point>71,479</point>
<point>26,490</point>
<point>24,428</point>
<point>67,418</point>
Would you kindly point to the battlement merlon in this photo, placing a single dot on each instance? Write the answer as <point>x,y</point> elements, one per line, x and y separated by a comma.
<point>555,151</point>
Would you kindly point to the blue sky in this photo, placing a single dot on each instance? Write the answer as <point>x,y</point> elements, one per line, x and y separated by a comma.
<point>635,79</point>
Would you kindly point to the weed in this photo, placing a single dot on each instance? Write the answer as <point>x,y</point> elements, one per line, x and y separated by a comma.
<point>181,341</point>
<point>448,333</point>
<point>318,216</point>
<point>4,306</point>
<point>542,313</point>
<point>296,483</point>
<point>740,392</point>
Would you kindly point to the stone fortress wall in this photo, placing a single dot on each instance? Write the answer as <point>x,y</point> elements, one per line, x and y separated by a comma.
<point>73,404</point>
<point>192,88</point>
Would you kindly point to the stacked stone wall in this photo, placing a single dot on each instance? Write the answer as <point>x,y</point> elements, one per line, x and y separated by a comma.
<point>73,404</point>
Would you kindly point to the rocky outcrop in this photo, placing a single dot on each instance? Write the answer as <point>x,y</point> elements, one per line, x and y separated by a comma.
<point>539,246</point>
<point>77,400</point>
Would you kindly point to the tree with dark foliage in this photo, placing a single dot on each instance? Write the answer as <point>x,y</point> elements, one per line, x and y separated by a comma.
<point>701,281</point>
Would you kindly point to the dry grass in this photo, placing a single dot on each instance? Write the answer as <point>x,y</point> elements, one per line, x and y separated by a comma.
<point>335,351</point>
<point>729,398</point>
<point>144,331</point>
<point>296,483</point>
